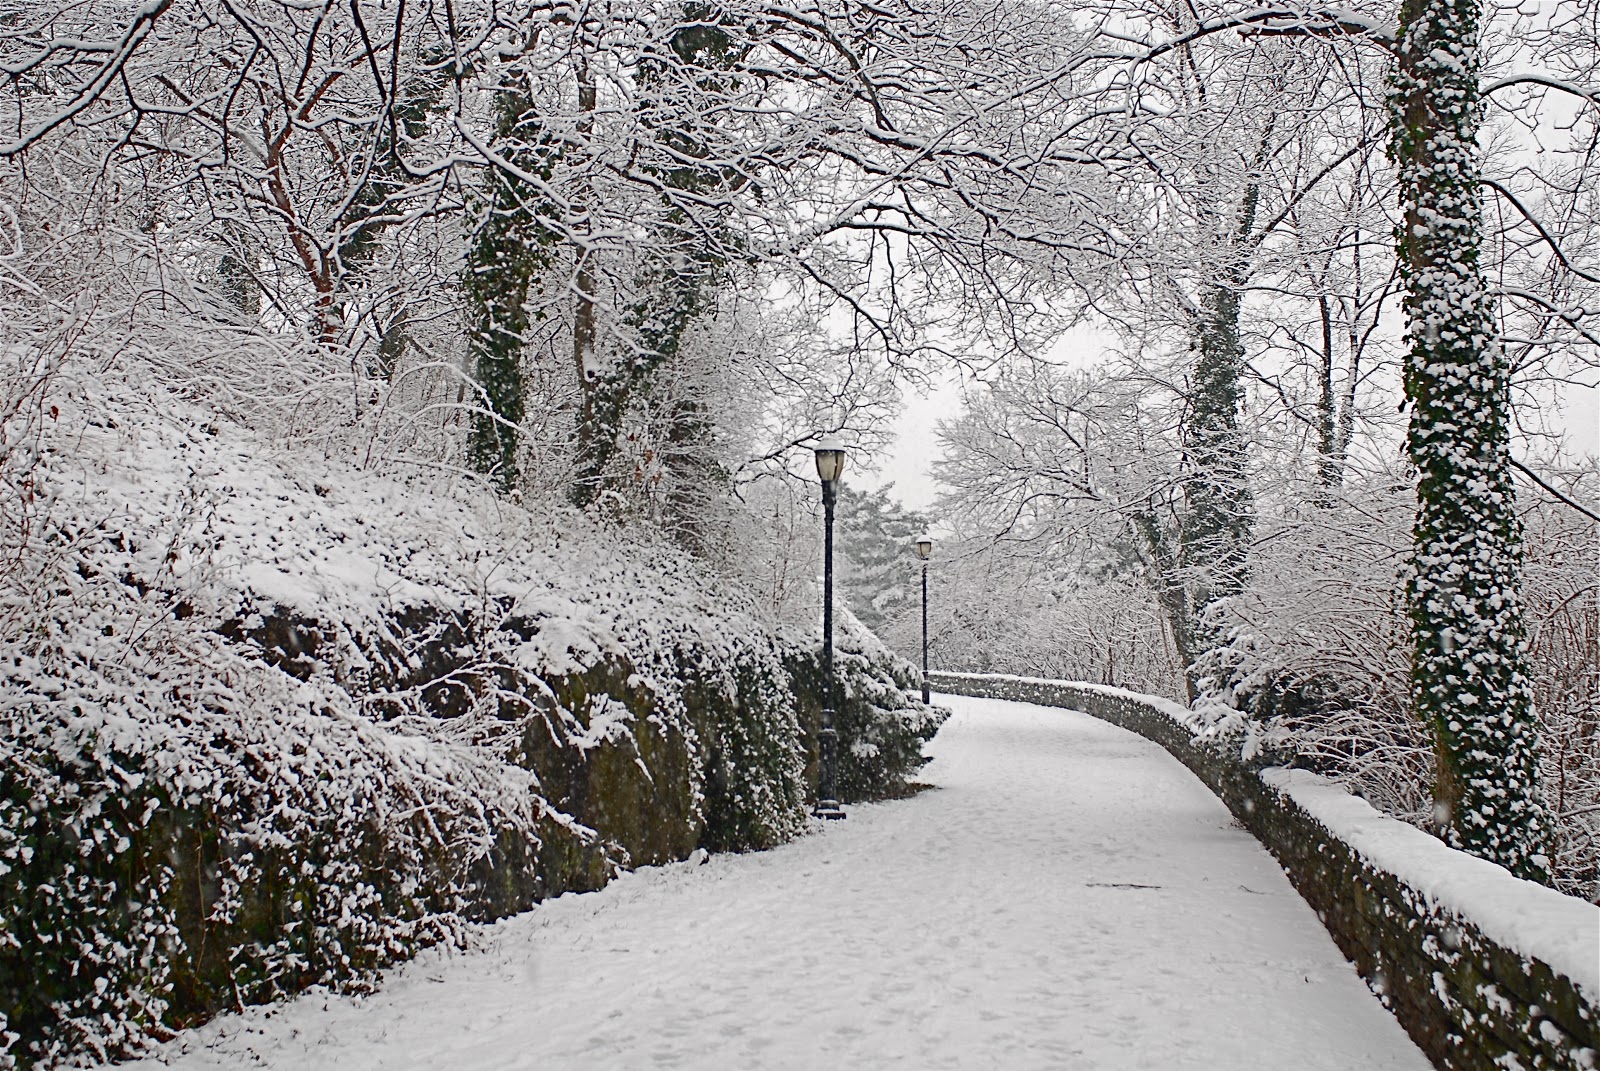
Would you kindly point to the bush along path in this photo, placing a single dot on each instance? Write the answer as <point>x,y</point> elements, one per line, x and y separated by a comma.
<point>1065,895</point>
<point>266,727</point>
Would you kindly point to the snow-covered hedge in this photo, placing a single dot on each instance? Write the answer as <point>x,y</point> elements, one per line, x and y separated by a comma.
<point>1485,971</point>
<point>881,719</point>
<point>268,721</point>
<point>185,828</point>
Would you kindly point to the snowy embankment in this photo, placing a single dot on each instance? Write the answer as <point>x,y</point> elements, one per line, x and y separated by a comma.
<point>269,721</point>
<point>1066,896</point>
<point>1483,968</point>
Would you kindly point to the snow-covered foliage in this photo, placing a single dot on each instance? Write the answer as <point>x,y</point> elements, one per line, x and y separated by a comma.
<point>271,721</point>
<point>140,749</point>
<point>139,756</point>
<point>1318,643</point>
<point>1319,656</point>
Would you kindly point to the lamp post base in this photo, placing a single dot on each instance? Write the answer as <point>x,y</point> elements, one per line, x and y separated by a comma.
<point>829,809</point>
<point>827,752</point>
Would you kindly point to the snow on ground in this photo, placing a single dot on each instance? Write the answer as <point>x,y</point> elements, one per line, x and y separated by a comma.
<point>214,508</point>
<point>1068,896</point>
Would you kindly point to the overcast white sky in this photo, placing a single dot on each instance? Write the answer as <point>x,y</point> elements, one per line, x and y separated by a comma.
<point>910,465</point>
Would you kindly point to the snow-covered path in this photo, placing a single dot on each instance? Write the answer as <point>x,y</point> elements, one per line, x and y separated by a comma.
<point>1067,897</point>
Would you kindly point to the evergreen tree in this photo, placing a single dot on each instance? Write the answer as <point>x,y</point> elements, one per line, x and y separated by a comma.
<point>877,571</point>
<point>1469,657</point>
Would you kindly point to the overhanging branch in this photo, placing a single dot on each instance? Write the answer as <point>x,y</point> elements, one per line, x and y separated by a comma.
<point>1560,495</point>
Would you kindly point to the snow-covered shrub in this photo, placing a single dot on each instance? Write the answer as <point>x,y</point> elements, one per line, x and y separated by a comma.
<point>1319,649</point>
<point>1320,658</point>
<point>754,789</point>
<point>183,827</point>
<point>881,720</point>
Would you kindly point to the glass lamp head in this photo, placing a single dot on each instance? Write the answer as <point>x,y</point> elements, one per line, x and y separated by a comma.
<point>830,458</point>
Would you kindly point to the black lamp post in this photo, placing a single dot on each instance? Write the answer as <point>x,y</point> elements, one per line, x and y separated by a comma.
<point>830,465</point>
<point>925,551</point>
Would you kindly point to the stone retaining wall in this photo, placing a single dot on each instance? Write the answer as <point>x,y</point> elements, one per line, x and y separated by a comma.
<point>1469,1002</point>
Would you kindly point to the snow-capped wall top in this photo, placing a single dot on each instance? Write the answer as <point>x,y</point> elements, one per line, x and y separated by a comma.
<point>1518,915</point>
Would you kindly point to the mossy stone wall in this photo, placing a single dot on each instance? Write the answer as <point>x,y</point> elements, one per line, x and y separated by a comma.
<point>306,858</point>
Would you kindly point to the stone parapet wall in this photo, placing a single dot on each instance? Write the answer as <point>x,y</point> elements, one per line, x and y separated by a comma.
<point>1472,1002</point>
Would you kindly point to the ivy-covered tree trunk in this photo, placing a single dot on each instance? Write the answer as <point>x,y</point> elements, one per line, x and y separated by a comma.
<point>677,282</point>
<point>1330,452</point>
<point>1469,668</point>
<point>1216,530</point>
<point>237,273</point>
<point>694,476</point>
<point>603,399</point>
<point>498,289</point>
<point>510,251</point>
<point>669,300</point>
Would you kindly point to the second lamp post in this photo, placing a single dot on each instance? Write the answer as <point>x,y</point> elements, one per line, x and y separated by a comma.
<point>830,464</point>
<point>925,551</point>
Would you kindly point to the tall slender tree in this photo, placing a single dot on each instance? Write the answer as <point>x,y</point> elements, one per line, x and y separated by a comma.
<point>1469,659</point>
<point>1216,487</point>
<point>511,252</point>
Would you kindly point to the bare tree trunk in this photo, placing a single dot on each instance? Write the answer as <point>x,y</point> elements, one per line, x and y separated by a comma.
<point>1172,594</point>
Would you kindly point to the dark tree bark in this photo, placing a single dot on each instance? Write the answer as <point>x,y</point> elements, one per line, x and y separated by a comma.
<point>1220,509</point>
<point>675,286</point>
<point>510,252</point>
